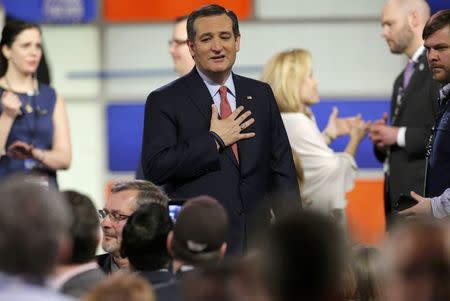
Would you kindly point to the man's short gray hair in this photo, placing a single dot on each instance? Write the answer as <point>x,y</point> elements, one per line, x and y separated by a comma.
<point>147,192</point>
<point>33,223</point>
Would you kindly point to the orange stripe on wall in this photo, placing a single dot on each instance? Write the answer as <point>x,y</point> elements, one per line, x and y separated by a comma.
<point>168,10</point>
<point>365,212</point>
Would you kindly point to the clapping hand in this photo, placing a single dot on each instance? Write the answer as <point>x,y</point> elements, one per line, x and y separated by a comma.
<point>338,126</point>
<point>20,150</point>
<point>358,128</point>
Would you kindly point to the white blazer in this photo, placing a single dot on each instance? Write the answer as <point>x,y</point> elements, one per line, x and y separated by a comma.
<point>328,175</point>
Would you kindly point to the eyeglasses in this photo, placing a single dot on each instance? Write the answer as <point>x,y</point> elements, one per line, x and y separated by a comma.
<point>177,42</point>
<point>113,215</point>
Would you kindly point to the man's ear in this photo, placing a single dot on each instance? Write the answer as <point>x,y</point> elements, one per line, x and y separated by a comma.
<point>223,250</point>
<point>169,243</point>
<point>64,250</point>
<point>238,43</point>
<point>414,18</point>
<point>191,47</point>
<point>6,51</point>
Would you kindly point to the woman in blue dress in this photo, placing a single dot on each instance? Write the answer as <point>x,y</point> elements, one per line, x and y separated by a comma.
<point>34,129</point>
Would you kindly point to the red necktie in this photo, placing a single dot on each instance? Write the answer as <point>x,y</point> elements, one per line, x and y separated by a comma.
<point>225,111</point>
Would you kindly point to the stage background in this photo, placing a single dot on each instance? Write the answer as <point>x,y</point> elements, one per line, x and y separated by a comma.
<point>106,56</point>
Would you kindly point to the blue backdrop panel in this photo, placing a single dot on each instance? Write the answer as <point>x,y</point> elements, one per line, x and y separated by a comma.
<point>52,11</point>
<point>436,5</point>
<point>124,127</point>
<point>125,124</point>
<point>370,109</point>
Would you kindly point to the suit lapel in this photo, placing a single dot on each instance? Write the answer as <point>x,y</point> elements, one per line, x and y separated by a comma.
<point>245,98</point>
<point>418,76</point>
<point>198,94</point>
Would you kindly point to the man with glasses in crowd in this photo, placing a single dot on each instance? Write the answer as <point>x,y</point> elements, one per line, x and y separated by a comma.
<point>178,48</point>
<point>125,198</point>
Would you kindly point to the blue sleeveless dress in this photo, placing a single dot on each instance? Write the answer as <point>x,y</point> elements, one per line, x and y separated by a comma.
<point>34,126</point>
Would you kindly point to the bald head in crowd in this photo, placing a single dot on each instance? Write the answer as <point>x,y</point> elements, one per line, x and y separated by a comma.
<point>416,262</point>
<point>403,22</point>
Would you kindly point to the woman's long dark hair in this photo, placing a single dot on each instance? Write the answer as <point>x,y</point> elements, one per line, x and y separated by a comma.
<point>9,33</point>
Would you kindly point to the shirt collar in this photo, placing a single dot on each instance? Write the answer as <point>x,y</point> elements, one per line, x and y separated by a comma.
<point>417,54</point>
<point>214,87</point>
<point>444,92</point>
<point>186,268</point>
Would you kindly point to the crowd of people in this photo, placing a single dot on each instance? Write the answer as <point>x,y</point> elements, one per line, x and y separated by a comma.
<point>50,254</point>
<point>263,194</point>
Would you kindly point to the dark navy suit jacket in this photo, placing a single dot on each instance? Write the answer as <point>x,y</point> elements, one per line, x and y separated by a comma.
<point>179,152</point>
<point>438,170</point>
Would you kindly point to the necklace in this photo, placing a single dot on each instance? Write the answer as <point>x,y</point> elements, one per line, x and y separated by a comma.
<point>28,107</point>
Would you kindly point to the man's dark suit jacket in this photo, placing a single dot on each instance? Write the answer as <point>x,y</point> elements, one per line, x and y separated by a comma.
<point>438,176</point>
<point>172,290</point>
<point>105,262</point>
<point>417,113</point>
<point>156,278</point>
<point>81,283</point>
<point>179,152</point>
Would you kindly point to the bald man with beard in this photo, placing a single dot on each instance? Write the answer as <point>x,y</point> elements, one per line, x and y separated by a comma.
<point>400,143</point>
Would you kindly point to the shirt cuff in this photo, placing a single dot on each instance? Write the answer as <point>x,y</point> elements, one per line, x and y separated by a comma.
<point>401,140</point>
<point>438,208</point>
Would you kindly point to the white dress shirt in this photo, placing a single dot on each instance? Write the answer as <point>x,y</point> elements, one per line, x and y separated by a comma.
<point>214,87</point>
<point>401,134</point>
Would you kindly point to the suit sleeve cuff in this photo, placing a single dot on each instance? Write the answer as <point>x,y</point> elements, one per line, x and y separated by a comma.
<point>401,134</point>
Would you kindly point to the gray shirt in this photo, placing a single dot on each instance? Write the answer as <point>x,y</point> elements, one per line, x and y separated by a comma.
<point>15,289</point>
<point>441,205</point>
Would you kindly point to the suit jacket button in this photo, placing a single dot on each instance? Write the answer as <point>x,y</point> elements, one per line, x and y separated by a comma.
<point>241,211</point>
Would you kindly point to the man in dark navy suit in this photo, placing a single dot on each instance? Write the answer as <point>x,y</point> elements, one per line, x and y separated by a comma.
<point>437,201</point>
<point>436,35</point>
<point>217,133</point>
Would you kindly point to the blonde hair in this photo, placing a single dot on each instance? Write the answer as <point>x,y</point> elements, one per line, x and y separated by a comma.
<point>285,73</point>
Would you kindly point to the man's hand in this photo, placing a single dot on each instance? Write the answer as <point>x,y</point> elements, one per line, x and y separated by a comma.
<point>229,129</point>
<point>382,134</point>
<point>382,120</point>
<point>423,207</point>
